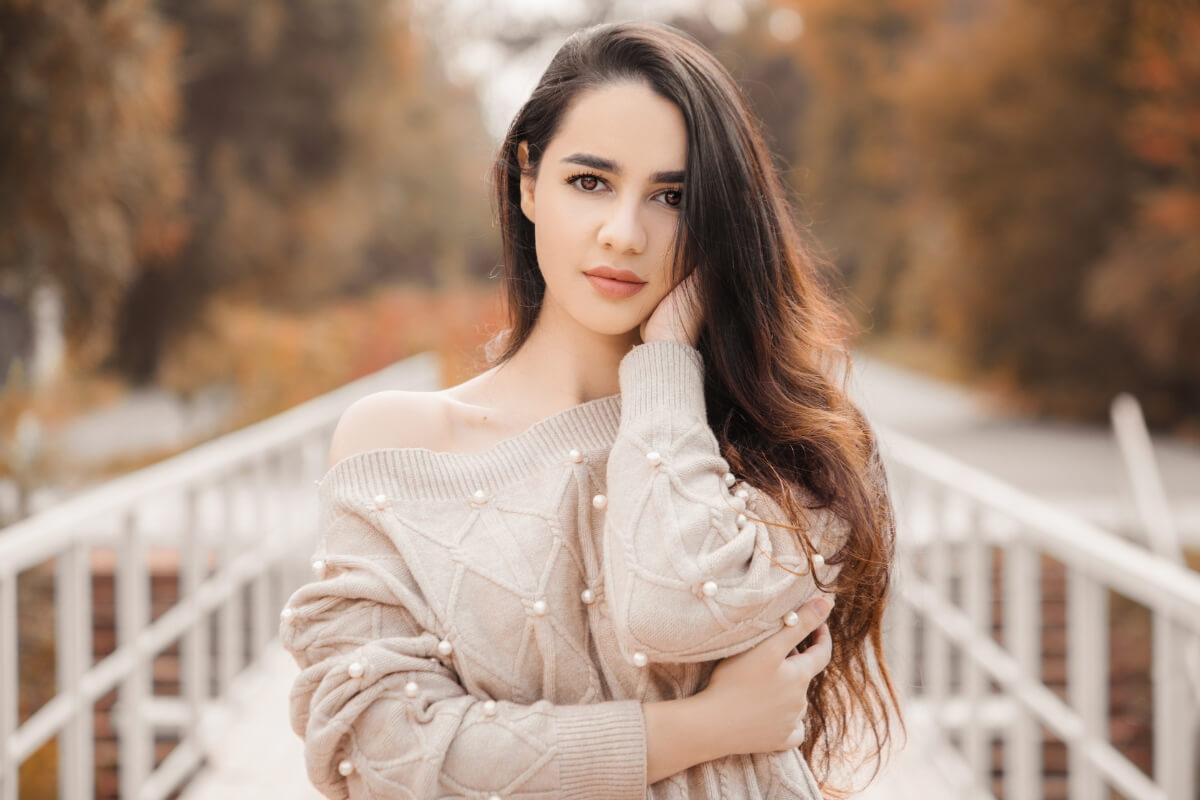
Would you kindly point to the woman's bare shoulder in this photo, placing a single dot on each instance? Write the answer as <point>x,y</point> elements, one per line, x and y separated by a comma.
<point>392,418</point>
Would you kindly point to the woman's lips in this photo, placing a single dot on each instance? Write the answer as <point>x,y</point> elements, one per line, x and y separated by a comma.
<point>614,288</point>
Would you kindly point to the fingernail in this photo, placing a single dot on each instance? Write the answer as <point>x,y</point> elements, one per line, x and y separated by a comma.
<point>826,604</point>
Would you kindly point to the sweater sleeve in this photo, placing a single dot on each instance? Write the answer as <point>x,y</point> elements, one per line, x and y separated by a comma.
<point>691,572</point>
<point>382,716</point>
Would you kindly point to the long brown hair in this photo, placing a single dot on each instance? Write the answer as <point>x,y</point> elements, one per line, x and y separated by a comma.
<point>774,340</point>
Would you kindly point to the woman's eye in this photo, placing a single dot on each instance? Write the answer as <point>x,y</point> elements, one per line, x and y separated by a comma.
<point>673,197</point>
<point>588,183</point>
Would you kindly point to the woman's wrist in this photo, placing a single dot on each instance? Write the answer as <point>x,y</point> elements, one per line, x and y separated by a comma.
<point>680,734</point>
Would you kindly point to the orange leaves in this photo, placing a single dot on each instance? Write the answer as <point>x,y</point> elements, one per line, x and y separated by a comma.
<point>275,360</point>
<point>1163,75</point>
<point>1175,210</point>
<point>1021,180</point>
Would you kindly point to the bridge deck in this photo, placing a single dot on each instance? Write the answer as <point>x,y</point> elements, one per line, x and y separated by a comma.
<point>259,756</point>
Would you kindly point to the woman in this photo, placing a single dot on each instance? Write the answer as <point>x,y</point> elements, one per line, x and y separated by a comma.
<point>584,573</point>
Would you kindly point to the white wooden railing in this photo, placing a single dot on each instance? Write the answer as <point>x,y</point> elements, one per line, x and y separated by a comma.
<point>235,515</point>
<point>958,528</point>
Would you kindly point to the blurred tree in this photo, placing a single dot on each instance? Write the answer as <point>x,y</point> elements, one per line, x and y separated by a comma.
<point>857,171</point>
<point>329,154</point>
<point>92,173</point>
<point>1148,284</point>
<point>1016,127</point>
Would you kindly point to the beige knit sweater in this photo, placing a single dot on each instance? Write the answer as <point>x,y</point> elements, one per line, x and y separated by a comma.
<point>487,625</point>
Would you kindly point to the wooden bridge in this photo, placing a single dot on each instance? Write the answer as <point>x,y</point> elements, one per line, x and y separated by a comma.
<point>965,630</point>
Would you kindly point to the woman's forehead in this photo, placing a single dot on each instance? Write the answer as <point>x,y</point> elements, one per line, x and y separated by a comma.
<point>629,126</point>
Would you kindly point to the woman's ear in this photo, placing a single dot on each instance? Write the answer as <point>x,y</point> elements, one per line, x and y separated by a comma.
<point>527,181</point>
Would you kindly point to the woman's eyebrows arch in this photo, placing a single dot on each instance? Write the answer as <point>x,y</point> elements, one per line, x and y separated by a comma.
<point>608,165</point>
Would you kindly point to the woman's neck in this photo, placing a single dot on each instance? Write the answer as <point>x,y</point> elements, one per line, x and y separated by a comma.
<point>561,364</point>
<point>562,359</point>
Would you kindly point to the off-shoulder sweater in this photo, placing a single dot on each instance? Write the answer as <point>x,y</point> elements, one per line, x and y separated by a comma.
<point>488,625</point>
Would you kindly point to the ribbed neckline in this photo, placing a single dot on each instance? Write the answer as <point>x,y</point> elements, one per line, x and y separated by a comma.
<point>419,473</point>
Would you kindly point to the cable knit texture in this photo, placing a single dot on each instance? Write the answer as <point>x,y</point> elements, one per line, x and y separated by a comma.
<point>489,624</point>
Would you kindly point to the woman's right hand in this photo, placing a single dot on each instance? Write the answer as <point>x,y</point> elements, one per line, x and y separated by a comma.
<point>760,696</point>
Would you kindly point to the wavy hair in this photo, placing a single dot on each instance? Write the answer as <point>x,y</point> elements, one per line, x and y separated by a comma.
<point>774,341</point>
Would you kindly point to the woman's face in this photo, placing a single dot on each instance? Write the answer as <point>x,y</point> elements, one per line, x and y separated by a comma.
<point>606,195</point>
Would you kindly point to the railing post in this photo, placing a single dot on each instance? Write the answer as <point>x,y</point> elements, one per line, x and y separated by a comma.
<point>193,647</point>
<point>298,568</point>
<point>227,619</point>
<point>295,472</point>
<point>133,614</point>
<point>901,633</point>
<point>937,648</point>
<point>1022,634</point>
<point>977,598</point>
<point>266,495</point>
<point>1175,756</point>
<point>73,635</point>
<point>9,768</point>
<point>1087,678</point>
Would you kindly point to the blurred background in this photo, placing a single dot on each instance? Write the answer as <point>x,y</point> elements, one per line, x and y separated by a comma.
<point>211,211</point>
<point>214,210</point>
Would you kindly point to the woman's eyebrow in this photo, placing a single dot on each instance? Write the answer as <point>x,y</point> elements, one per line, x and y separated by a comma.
<point>608,165</point>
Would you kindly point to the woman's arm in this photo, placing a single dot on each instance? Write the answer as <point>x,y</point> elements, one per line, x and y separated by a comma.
<point>691,573</point>
<point>381,715</point>
<point>680,735</point>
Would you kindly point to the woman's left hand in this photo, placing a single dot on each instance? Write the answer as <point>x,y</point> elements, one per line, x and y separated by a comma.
<point>677,317</point>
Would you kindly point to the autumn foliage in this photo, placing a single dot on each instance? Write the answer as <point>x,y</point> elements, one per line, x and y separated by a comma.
<point>1017,180</point>
<point>92,170</point>
<point>156,155</point>
<point>279,359</point>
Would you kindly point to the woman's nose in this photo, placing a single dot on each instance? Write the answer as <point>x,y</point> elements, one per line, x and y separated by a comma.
<point>623,229</point>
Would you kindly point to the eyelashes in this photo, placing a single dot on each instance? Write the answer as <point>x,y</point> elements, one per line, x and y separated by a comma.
<point>579,178</point>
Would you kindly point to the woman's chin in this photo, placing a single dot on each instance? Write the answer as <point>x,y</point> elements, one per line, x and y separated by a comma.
<point>617,328</point>
<point>608,322</point>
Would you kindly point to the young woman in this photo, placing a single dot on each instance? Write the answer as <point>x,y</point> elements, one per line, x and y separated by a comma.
<point>586,572</point>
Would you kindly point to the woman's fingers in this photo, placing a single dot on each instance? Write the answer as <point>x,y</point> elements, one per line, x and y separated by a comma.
<point>808,618</point>
<point>817,655</point>
<point>678,315</point>
<point>763,692</point>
